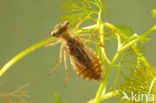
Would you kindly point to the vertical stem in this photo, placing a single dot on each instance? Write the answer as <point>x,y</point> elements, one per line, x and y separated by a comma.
<point>99,92</point>
<point>102,50</point>
<point>104,81</point>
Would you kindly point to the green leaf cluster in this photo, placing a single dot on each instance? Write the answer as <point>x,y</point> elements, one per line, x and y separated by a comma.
<point>84,9</point>
<point>140,81</point>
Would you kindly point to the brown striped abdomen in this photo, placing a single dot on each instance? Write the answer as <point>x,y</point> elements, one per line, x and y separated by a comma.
<point>85,61</point>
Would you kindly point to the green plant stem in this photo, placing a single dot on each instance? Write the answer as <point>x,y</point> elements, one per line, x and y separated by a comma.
<point>106,96</point>
<point>23,53</point>
<point>119,40</point>
<point>139,38</point>
<point>102,85</point>
<point>124,35</point>
<point>112,64</point>
<point>109,95</point>
<point>86,28</point>
<point>103,52</point>
<point>104,81</point>
<point>143,59</point>
<point>100,26</point>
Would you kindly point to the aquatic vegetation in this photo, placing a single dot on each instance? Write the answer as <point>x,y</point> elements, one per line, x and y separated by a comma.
<point>140,76</point>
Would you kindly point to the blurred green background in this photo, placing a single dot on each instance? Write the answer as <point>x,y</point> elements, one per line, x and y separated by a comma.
<point>26,22</point>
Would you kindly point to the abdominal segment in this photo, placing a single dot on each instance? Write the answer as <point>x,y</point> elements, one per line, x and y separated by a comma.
<point>85,62</point>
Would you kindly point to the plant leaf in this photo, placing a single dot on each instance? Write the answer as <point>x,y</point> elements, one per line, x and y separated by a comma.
<point>76,9</point>
<point>126,29</point>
